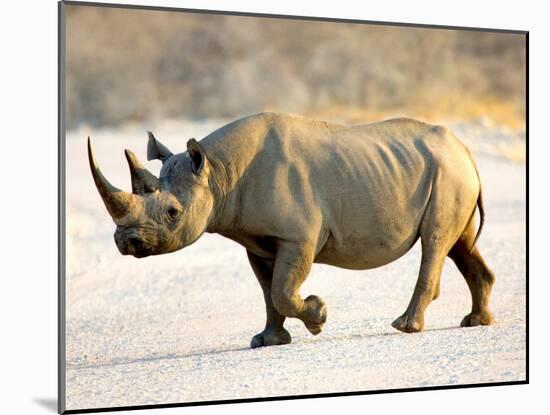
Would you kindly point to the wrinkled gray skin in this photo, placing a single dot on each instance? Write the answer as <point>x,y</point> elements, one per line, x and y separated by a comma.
<point>295,191</point>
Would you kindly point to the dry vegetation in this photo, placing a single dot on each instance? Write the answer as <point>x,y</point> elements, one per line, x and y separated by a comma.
<point>131,65</point>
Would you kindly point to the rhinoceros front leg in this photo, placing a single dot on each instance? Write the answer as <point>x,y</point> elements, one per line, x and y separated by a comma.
<point>292,266</point>
<point>274,333</point>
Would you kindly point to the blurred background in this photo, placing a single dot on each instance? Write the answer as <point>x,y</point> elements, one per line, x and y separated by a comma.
<point>127,66</point>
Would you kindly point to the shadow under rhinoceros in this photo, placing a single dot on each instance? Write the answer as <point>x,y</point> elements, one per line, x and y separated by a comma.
<point>175,356</point>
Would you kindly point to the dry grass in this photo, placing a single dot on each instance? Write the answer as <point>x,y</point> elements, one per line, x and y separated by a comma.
<point>134,65</point>
<point>450,108</point>
<point>455,107</point>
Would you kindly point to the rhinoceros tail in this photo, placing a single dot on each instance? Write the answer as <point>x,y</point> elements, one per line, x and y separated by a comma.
<point>479,203</point>
<point>481,216</point>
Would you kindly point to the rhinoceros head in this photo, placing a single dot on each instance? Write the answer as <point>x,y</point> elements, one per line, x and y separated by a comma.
<point>163,214</point>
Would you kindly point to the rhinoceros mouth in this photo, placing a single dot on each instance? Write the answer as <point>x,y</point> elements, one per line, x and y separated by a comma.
<point>130,247</point>
<point>140,251</point>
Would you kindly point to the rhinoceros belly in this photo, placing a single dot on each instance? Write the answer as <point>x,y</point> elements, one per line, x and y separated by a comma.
<point>363,251</point>
<point>375,222</point>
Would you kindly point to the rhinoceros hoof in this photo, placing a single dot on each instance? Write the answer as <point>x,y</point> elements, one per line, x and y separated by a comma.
<point>317,316</point>
<point>270,337</point>
<point>484,318</point>
<point>407,324</point>
<point>314,328</point>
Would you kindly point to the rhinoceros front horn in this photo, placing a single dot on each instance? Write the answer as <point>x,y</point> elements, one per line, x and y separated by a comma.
<point>116,201</point>
<point>143,181</point>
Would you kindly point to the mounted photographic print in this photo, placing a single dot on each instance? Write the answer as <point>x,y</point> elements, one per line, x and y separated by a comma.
<point>261,207</point>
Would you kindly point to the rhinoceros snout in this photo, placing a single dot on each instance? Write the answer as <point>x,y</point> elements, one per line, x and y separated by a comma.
<point>132,245</point>
<point>135,244</point>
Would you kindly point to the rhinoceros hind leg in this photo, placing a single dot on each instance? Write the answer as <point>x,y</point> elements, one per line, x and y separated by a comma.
<point>403,324</point>
<point>274,333</point>
<point>478,276</point>
<point>441,226</point>
<point>484,318</point>
<point>427,286</point>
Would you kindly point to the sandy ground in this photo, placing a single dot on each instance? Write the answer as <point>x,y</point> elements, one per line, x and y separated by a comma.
<point>176,328</point>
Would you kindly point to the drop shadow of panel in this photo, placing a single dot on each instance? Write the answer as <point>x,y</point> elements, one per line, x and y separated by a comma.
<point>48,403</point>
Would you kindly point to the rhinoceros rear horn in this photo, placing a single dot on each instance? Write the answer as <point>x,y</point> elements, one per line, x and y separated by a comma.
<point>156,150</point>
<point>116,201</point>
<point>143,181</point>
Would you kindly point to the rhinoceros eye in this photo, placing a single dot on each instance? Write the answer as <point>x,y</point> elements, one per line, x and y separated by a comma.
<point>173,212</point>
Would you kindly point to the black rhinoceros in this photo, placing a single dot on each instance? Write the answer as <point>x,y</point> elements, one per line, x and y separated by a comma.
<point>294,191</point>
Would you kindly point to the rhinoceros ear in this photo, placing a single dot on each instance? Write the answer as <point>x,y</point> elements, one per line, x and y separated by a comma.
<point>156,150</point>
<point>197,155</point>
